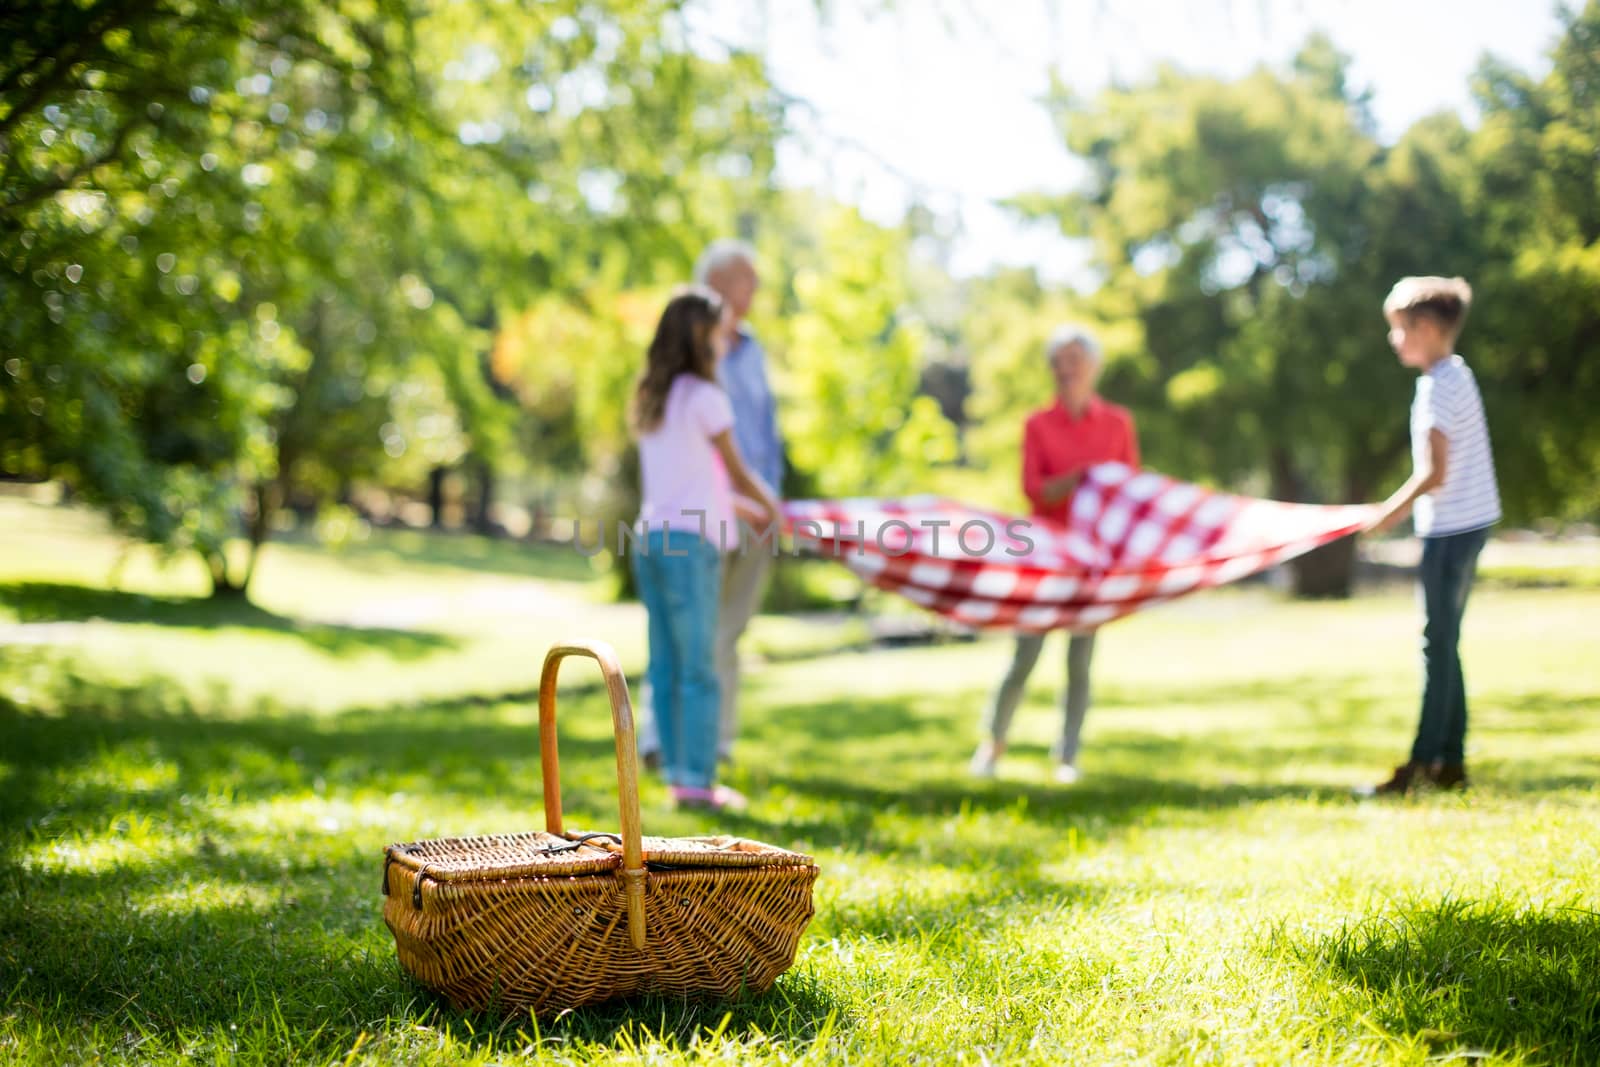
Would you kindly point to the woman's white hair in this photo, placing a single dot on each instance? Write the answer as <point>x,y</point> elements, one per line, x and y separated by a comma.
<point>721,254</point>
<point>1071,334</point>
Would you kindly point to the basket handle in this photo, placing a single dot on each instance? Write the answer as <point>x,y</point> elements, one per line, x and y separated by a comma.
<point>633,870</point>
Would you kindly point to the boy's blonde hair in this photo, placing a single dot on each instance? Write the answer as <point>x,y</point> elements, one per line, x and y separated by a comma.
<point>1444,300</point>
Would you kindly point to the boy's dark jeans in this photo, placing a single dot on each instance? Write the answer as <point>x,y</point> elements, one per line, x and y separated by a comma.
<point>1448,565</point>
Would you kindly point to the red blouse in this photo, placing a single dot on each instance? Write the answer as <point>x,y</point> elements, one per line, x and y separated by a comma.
<point>1054,442</point>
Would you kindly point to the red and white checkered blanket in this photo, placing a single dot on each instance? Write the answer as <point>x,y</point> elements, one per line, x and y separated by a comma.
<point>1133,538</point>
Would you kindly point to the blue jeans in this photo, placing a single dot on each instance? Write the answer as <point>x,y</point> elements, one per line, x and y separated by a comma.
<point>1448,565</point>
<point>679,574</point>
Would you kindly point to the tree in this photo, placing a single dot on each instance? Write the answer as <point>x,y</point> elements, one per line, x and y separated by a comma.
<point>176,291</point>
<point>852,361</point>
<point>1249,230</point>
<point>1535,325</point>
<point>260,251</point>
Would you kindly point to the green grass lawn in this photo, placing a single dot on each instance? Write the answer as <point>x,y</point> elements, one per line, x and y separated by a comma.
<point>194,799</point>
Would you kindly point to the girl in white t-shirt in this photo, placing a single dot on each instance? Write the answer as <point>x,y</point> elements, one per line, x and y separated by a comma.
<point>687,519</point>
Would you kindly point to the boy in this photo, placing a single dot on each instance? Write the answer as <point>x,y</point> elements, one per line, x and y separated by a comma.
<point>1453,499</point>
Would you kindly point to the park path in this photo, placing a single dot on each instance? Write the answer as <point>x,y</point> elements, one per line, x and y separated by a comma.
<point>486,602</point>
<point>40,633</point>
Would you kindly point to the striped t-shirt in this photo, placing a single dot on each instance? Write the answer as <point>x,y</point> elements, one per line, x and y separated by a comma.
<point>1448,400</point>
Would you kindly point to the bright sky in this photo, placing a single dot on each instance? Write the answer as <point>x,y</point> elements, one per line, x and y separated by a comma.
<point>939,98</point>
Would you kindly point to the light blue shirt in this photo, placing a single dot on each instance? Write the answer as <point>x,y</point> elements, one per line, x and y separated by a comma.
<point>755,416</point>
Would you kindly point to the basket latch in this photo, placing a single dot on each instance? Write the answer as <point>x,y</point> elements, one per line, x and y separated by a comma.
<point>416,888</point>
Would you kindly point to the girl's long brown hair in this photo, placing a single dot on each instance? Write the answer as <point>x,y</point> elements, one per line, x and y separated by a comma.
<point>682,345</point>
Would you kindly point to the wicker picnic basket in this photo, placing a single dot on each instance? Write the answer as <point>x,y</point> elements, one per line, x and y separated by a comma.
<point>561,918</point>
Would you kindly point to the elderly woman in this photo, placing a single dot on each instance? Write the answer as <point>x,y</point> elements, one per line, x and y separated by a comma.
<point>1059,443</point>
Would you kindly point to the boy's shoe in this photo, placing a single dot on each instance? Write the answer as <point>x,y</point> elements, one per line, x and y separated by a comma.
<point>716,798</point>
<point>1448,775</point>
<point>984,761</point>
<point>651,761</point>
<point>1405,777</point>
<point>1067,774</point>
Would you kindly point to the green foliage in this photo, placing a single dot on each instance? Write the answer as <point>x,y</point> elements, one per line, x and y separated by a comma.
<point>258,257</point>
<point>1243,227</point>
<point>853,359</point>
<point>1536,322</point>
<point>1246,233</point>
<point>165,292</point>
<point>263,256</point>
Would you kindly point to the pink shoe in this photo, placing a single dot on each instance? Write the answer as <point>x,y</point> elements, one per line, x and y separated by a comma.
<point>716,798</point>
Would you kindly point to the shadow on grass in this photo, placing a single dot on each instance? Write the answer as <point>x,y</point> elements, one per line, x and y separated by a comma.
<point>798,1008</point>
<point>97,748</point>
<point>1578,706</point>
<point>226,913</point>
<point>62,602</point>
<point>238,906</point>
<point>294,941</point>
<point>178,901</point>
<point>1464,976</point>
<point>1091,811</point>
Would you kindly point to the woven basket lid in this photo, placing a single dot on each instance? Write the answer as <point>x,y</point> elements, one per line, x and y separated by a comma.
<point>541,854</point>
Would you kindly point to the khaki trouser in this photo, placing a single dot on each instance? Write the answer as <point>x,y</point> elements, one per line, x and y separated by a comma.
<point>744,578</point>
<point>1074,701</point>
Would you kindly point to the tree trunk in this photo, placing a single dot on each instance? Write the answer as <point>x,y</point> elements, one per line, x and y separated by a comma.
<point>1286,482</point>
<point>483,477</point>
<point>621,505</point>
<point>1323,572</point>
<point>1327,571</point>
<point>266,500</point>
<point>223,584</point>
<point>230,583</point>
<point>436,478</point>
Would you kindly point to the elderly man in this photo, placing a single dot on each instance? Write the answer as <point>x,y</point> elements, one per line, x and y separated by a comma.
<point>1059,443</point>
<point>728,267</point>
